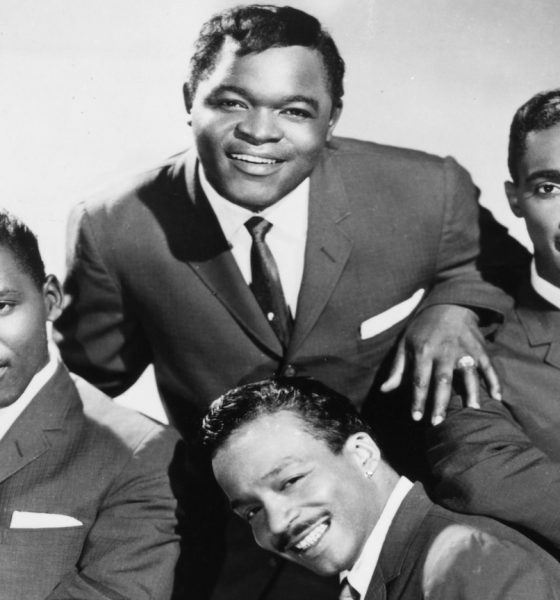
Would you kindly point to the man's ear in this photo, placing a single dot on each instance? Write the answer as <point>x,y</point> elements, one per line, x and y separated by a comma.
<point>513,198</point>
<point>188,101</point>
<point>52,296</point>
<point>335,115</point>
<point>361,448</point>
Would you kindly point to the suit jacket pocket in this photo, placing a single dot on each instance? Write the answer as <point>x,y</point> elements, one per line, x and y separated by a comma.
<point>383,321</point>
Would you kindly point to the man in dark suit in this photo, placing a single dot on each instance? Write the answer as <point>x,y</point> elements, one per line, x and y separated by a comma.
<point>86,508</point>
<point>300,466</point>
<point>504,460</point>
<point>272,247</point>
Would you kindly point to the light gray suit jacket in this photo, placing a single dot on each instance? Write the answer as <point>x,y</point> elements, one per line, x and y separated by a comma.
<point>73,452</point>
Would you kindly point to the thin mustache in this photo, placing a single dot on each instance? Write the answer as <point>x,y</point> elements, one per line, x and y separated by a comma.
<point>285,538</point>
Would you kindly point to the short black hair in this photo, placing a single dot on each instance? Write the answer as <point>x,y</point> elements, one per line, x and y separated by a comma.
<point>326,414</point>
<point>541,112</point>
<point>22,243</point>
<point>258,27</point>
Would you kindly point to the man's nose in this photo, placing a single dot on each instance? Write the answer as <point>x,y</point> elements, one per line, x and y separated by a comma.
<point>280,517</point>
<point>259,126</point>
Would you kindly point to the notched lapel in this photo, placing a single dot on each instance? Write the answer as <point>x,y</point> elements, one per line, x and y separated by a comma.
<point>553,355</point>
<point>328,247</point>
<point>541,322</point>
<point>27,439</point>
<point>18,453</point>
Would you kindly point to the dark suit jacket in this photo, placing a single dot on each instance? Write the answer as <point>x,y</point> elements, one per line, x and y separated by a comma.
<point>504,460</point>
<point>431,553</point>
<point>75,453</point>
<point>151,279</point>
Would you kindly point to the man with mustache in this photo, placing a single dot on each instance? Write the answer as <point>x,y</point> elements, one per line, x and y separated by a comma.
<point>273,247</point>
<point>300,466</point>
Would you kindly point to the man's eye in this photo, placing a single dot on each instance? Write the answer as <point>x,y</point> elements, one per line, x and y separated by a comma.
<point>291,481</point>
<point>547,189</point>
<point>250,513</point>
<point>297,113</point>
<point>6,308</point>
<point>231,105</point>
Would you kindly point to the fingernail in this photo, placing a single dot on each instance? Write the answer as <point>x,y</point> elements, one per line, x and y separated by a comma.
<point>498,396</point>
<point>417,415</point>
<point>437,420</point>
<point>476,405</point>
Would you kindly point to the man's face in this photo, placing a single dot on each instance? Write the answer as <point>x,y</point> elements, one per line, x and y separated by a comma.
<point>24,310</point>
<point>302,501</point>
<point>536,198</point>
<point>260,122</point>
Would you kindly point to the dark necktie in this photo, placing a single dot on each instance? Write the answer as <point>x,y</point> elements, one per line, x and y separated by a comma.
<point>347,592</point>
<point>266,284</point>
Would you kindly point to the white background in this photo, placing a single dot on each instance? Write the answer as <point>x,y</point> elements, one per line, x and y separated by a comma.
<point>91,91</point>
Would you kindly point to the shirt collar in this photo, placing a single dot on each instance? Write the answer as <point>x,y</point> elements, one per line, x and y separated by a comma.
<point>544,288</point>
<point>288,215</point>
<point>359,576</point>
<point>9,414</point>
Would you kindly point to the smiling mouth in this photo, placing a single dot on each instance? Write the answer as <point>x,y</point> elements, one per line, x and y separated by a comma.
<point>255,160</point>
<point>312,538</point>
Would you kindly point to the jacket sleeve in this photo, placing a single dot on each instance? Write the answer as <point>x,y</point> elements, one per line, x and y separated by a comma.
<point>483,463</point>
<point>469,564</point>
<point>132,547</point>
<point>98,333</point>
<point>473,250</point>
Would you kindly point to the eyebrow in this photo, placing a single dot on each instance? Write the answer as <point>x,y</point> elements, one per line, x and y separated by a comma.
<point>9,292</point>
<point>552,174</point>
<point>313,102</point>
<point>235,503</point>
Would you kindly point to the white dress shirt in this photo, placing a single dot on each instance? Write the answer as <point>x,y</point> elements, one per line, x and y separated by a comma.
<point>544,288</point>
<point>286,239</point>
<point>359,576</point>
<point>9,414</point>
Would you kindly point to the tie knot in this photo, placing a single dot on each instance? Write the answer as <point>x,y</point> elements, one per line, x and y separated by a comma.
<point>347,592</point>
<point>258,228</point>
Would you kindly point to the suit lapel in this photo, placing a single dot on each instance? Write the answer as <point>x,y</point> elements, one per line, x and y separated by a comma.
<point>327,249</point>
<point>203,247</point>
<point>404,542</point>
<point>376,589</point>
<point>27,439</point>
<point>541,321</point>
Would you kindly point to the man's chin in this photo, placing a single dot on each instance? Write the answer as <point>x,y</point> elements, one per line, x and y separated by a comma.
<point>253,201</point>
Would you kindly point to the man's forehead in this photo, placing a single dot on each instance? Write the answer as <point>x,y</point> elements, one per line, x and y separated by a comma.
<point>541,151</point>
<point>288,60</point>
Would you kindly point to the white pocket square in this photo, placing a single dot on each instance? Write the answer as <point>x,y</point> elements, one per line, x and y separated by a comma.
<point>36,520</point>
<point>389,317</point>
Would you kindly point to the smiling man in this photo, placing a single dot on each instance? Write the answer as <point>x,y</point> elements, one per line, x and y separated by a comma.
<point>273,247</point>
<point>504,461</point>
<point>300,466</point>
<point>86,508</point>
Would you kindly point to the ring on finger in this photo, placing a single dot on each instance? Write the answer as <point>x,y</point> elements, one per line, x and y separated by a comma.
<point>466,362</point>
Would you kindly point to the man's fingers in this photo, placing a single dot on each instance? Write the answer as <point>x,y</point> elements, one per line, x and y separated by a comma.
<point>442,392</point>
<point>420,386</point>
<point>397,369</point>
<point>491,377</point>
<point>471,384</point>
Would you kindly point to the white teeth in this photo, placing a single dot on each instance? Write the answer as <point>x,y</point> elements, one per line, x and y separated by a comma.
<point>254,159</point>
<point>311,538</point>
